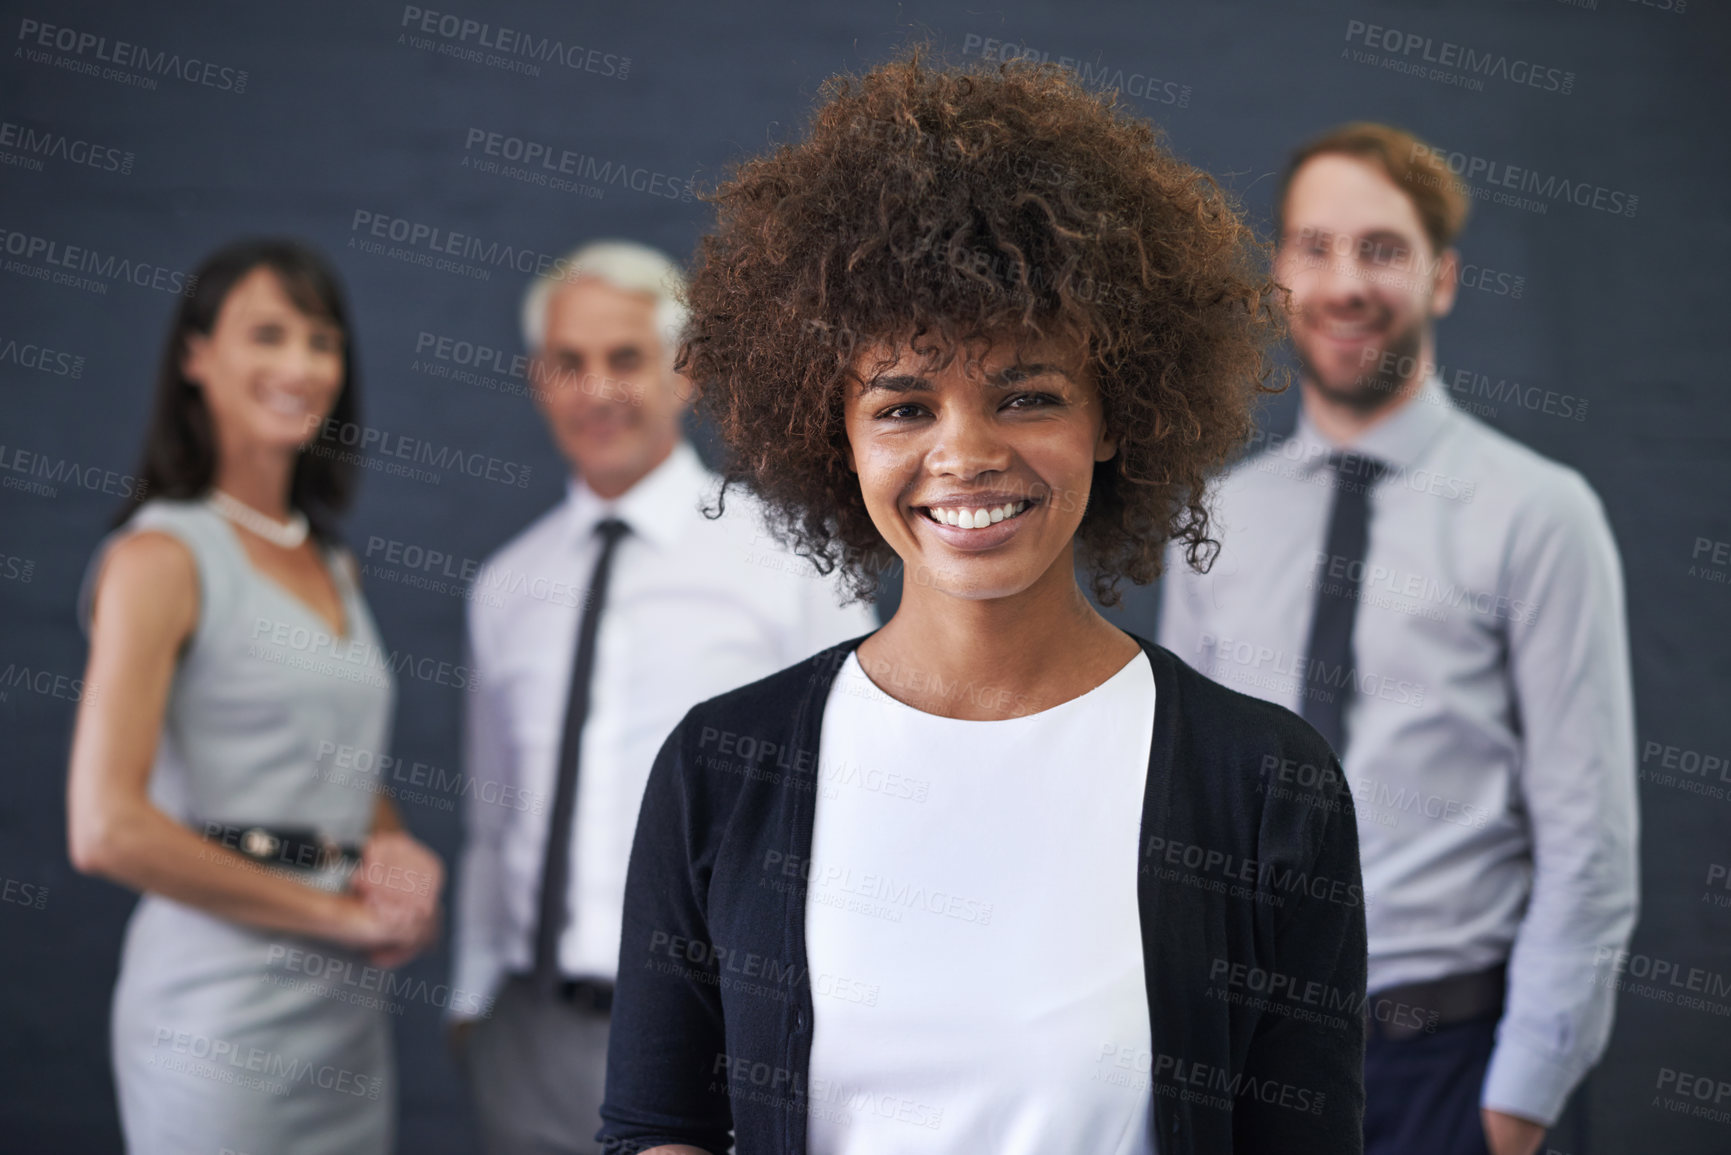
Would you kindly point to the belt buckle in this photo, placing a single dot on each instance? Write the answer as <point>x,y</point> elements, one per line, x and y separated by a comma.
<point>587,994</point>
<point>330,853</point>
<point>259,842</point>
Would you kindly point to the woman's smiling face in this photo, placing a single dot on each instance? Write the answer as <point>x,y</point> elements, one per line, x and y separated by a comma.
<point>270,372</point>
<point>976,472</point>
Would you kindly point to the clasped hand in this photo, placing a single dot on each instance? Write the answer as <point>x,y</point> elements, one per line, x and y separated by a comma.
<point>398,884</point>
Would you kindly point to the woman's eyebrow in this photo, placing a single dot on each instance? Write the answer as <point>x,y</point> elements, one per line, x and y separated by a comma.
<point>1014,373</point>
<point>1004,378</point>
<point>899,383</point>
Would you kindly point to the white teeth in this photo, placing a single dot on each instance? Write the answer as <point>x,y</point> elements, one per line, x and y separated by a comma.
<point>976,518</point>
<point>285,403</point>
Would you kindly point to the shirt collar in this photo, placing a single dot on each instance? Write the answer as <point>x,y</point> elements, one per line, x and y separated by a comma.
<point>1398,440</point>
<point>658,508</point>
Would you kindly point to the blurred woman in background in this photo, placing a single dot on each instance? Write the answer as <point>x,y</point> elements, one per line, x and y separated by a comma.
<point>231,643</point>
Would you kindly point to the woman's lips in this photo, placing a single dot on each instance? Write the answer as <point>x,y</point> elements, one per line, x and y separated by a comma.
<point>289,403</point>
<point>980,531</point>
<point>974,516</point>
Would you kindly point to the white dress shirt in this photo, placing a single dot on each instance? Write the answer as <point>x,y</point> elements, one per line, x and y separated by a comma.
<point>1490,727</point>
<point>694,607</point>
<point>975,948</point>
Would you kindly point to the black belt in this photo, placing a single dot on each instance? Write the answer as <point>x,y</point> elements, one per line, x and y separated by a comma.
<point>1397,1014</point>
<point>588,995</point>
<point>304,849</point>
<point>592,995</point>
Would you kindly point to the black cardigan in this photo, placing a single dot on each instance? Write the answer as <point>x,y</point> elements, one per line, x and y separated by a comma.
<point>1250,900</point>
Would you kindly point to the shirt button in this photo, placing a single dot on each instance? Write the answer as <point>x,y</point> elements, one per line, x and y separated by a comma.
<point>799,1021</point>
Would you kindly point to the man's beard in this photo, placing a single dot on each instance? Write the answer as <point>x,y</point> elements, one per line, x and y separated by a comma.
<point>1378,382</point>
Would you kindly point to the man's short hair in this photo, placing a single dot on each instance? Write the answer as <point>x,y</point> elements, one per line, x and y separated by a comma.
<point>1418,170</point>
<point>625,265</point>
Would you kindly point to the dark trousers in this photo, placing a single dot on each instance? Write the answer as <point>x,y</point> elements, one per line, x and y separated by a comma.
<point>1421,1095</point>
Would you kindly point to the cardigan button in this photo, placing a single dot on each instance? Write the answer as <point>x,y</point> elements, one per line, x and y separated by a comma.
<point>799,1022</point>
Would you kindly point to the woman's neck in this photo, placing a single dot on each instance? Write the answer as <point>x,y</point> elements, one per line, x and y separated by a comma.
<point>993,658</point>
<point>261,477</point>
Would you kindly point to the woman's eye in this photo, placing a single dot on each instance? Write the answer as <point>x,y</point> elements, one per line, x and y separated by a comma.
<point>1031,400</point>
<point>900,412</point>
<point>268,334</point>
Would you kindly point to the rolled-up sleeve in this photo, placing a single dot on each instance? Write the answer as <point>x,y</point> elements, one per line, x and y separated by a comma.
<point>1569,665</point>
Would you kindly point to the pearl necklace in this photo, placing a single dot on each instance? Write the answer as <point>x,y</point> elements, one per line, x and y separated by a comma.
<point>287,534</point>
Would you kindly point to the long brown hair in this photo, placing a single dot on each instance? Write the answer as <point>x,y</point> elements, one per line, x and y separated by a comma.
<point>180,450</point>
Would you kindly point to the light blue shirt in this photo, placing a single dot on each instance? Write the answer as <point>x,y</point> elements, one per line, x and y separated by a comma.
<point>1490,720</point>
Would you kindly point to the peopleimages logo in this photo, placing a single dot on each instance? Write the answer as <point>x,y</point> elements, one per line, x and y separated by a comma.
<point>1476,392</point>
<point>507,48</point>
<point>539,163</point>
<point>367,441</point>
<point>29,466</point>
<point>1551,187</point>
<point>33,144</point>
<point>35,37</point>
<point>431,241</point>
<point>352,659</point>
<point>1459,59</point>
<point>1141,85</point>
<point>29,355</point>
<point>226,1060</point>
<point>56,256</point>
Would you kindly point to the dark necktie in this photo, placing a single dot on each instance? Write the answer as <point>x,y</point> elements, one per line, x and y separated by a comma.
<point>1330,676</point>
<point>553,905</point>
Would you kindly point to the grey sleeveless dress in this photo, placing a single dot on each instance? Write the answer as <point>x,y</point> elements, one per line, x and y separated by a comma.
<point>226,1037</point>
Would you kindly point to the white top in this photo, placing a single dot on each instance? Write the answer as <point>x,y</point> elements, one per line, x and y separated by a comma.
<point>972,929</point>
<point>695,607</point>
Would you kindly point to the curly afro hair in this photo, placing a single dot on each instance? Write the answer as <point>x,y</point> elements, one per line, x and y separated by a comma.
<point>950,205</point>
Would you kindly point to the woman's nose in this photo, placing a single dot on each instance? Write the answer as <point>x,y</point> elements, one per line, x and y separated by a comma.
<point>970,442</point>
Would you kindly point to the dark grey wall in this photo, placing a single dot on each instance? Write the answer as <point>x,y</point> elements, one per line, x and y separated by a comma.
<point>341,115</point>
